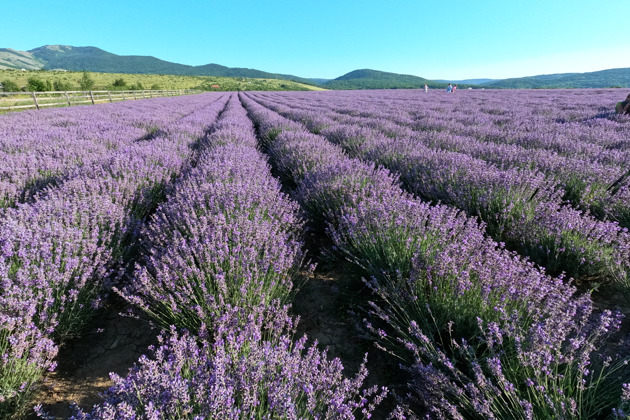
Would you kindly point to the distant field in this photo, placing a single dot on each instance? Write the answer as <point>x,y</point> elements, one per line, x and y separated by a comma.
<point>105,81</point>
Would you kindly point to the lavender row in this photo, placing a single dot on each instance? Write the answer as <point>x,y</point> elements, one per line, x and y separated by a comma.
<point>244,370</point>
<point>60,252</point>
<point>226,236</point>
<point>567,122</point>
<point>480,331</point>
<point>223,253</point>
<point>39,150</point>
<point>600,184</point>
<point>522,208</point>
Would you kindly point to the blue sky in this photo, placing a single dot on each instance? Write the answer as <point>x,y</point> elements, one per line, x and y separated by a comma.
<point>432,39</point>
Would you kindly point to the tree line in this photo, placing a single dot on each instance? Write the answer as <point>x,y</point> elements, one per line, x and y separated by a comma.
<point>35,84</point>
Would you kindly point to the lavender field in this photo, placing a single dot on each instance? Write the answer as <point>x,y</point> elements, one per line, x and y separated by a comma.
<point>480,240</point>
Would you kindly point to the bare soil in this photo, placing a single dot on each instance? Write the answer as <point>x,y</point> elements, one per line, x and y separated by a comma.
<point>111,343</point>
<point>325,304</point>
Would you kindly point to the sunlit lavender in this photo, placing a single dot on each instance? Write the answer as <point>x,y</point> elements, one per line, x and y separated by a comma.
<point>487,229</point>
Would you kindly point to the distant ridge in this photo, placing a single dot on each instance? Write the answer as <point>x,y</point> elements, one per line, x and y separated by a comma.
<point>597,79</point>
<point>12,59</point>
<point>53,57</point>
<point>374,79</point>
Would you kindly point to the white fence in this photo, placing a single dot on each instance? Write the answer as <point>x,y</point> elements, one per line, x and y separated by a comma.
<point>12,101</point>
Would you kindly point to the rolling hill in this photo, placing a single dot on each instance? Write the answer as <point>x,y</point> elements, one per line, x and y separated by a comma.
<point>94,59</point>
<point>13,59</point>
<point>50,57</point>
<point>597,79</point>
<point>374,79</point>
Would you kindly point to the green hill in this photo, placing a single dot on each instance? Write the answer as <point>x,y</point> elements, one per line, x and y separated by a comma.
<point>596,79</point>
<point>10,58</point>
<point>52,57</point>
<point>374,79</point>
<point>68,80</point>
<point>96,60</point>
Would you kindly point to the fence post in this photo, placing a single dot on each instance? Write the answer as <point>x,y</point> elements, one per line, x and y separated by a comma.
<point>67,98</point>
<point>123,95</point>
<point>35,99</point>
<point>134,95</point>
<point>92,97</point>
<point>110,97</point>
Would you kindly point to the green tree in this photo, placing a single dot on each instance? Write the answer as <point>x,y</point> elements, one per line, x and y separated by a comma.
<point>86,82</point>
<point>10,86</point>
<point>60,86</point>
<point>155,87</point>
<point>34,84</point>
<point>119,83</point>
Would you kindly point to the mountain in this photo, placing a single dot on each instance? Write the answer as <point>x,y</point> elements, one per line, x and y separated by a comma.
<point>97,60</point>
<point>374,79</point>
<point>319,81</point>
<point>51,57</point>
<point>596,79</point>
<point>13,59</point>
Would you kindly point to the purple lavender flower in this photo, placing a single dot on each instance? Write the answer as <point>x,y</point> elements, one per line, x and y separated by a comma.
<point>482,332</point>
<point>237,373</point>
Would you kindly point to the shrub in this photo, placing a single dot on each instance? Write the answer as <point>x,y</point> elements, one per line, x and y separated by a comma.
<point>86,82</point>
<point>237,374</point>
<point>36,85</point>
<point>10,86</point>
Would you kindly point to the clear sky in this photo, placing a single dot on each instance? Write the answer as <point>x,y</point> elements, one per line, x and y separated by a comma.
<point>450,39</point>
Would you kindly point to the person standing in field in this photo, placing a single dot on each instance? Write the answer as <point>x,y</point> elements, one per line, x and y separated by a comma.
<point>623,107</point>
<point>426,88</point>
<point>454,88</point>
<point>449,88</point>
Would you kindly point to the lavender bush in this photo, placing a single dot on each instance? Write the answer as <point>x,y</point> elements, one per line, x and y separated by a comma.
<point>235,374</point>
<point>26,354</point>
<point>226,235</point>
<point>585,154</point>
<point>60,252</point>
<point>521,207</point>
<point>42,149</point>
<point>473,308</point>
<point>550,370</point>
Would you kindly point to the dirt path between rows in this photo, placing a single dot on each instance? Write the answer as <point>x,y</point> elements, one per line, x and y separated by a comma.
<point>113,343</point>
<point>110,343</point>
